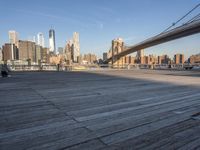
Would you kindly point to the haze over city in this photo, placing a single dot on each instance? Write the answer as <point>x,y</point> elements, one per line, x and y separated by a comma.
<point>99,22</point>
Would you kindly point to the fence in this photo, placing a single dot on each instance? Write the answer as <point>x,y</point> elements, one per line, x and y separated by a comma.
<point>33,67</point>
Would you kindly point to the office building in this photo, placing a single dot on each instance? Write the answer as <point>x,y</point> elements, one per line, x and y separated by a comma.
<point>27,51</point>
<point>76,47</point>
<point>179,59</point>
<point>52,43</point>
<point>38,51</point>
<point>40,39</point>
<point>44,55</point>
<point>13,37</point>
<point>164,59</point>
<point>140,57</point>
<point>10,52</point>
<point>105,56</point>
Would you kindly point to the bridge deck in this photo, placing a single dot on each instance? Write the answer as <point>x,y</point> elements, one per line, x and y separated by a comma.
<point>100,110</point>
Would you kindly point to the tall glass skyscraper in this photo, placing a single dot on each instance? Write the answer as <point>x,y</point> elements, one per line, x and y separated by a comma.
<point>52,43</point>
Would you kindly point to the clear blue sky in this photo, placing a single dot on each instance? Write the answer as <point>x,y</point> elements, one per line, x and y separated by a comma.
<point>98,22</point>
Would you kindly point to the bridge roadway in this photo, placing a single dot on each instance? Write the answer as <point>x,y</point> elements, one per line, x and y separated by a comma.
<point>179,32</point>
<point>100,110</point>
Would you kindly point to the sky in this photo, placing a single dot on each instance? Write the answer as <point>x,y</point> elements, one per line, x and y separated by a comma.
<point>99,22</point>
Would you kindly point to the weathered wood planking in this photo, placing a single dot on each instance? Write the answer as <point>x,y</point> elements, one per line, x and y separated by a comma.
<point>100,110</point>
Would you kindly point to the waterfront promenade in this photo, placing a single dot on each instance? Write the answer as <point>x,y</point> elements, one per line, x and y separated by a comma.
<point>94,110</point>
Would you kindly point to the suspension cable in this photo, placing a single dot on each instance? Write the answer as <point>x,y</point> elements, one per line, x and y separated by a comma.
<point>182,18</point>
<point>194,18</point>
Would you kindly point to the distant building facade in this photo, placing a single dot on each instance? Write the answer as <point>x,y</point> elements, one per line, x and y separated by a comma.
<point>27,51</point>
<point>45,55</point>
<point>179,59</point>
<point>105,56</point>
<point>90,58</point>
<point>40,39</point>
<point>13,37</point>
<point>152,60</point>
<point>60,50</point>
<point>164,59</point>
<point>10,52</point>
<point>52,43</point>
<point>140,57</point>
<point>38,51</point>
<point>194,59</point>
<point>76,47</point>
<point>130,60</point>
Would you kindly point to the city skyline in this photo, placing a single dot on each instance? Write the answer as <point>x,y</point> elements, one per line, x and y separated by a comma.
<point>105,24</point>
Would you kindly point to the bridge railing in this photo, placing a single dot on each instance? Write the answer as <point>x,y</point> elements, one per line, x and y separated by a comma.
<point>100,67</point>
<point>33,67</point>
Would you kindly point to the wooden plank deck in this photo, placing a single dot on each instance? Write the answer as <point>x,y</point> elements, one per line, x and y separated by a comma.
<point>108,110</point>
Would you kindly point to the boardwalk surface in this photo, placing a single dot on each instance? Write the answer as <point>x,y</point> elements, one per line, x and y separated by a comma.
<point>100,110</point>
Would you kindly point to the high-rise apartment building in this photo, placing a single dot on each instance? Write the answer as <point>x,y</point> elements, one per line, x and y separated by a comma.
<point>38,51</point>
<point>179,59</point>
<point>76,52</point>
<point>13,37</point>
<point>140,57</point>
<point>27,51</point>
<point>52,43</point>
<point>10,52</point>
<point>105,56</point>
<point>40,39</point>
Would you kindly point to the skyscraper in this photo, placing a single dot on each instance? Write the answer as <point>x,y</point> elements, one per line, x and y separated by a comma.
<point>52,44</point>
<point>13,37</point>
<point>179,58</point>
<point>140,56</point>
<point>10,52</point>
<point>27,51</point>
<point>60,50</point>
<point>40,39</point>
<point>76,44</point>
<point>105,56</point>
